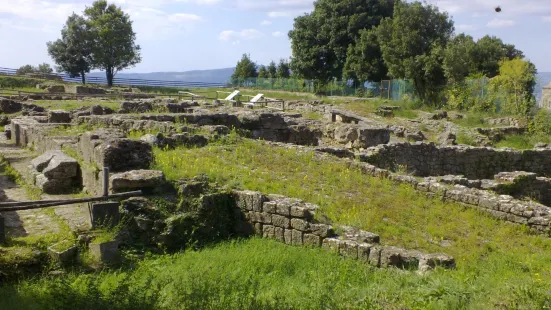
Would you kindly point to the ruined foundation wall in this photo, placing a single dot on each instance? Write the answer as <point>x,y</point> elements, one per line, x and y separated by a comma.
<point>424,159</point>
<point>293,222</point>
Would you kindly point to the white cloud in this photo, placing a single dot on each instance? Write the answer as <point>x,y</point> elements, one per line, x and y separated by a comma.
<point>546,19</point>
<point>500,23</point>
<point>464,27</point>
<point>236,36</point>
<point>277,34</point>
<point>266,22</point>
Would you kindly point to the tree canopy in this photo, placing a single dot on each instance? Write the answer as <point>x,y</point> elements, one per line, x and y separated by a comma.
<point>73,53</point>
<point>272,70</point>
<point>412,45</point>
<point>245,68</point>
<point>283,69</point>
<point>320,40</point>
<point>41,68</point>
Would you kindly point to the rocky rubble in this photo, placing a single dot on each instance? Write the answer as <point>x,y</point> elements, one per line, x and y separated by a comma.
<point>54,172</point>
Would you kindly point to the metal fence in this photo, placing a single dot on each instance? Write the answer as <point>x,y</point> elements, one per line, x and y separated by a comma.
<point>116,81</point>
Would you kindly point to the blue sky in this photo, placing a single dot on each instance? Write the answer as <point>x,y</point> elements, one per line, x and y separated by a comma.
<point>182,35</point>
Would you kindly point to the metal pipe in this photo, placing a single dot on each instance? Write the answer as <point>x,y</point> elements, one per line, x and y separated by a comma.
<point>26,205</point>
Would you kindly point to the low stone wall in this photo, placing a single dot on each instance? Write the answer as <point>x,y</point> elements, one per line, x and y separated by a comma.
<point>422,159</point>
<point>292,221</point>
<point>504,207</point>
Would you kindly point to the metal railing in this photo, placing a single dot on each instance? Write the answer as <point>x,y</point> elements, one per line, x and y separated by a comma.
<point>116,81</point>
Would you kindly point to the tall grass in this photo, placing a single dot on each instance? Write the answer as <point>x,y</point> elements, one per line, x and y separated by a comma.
<point>261,274</point>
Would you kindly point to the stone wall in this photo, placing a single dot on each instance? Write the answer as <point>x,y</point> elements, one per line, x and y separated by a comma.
<point>277,127</point>
<point>293,222</point>
<point>422,159</point>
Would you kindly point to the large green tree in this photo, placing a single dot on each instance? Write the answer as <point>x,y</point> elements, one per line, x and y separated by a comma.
<point>245,68</point>
<point>262,72</point>
<point>283,69</point>
<point>364,60</point>
<point>272,70</point>
<point>515,85</point>
<point>73,52</point>
<point>459,58</point>
<point>490,51</point>
<point>113,40</point>
<point>412,45</point>
<point>320,40</point>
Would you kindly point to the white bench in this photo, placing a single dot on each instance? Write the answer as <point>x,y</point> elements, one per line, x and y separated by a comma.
<point>255,99</point>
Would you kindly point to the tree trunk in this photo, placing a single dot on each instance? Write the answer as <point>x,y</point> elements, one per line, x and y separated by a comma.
<point>109,73</point>
<point>83,76</point>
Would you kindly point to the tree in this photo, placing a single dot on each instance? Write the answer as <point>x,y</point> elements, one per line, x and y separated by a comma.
<point>320,40</point>
<point>272,70</point>
<point>73,52</point>
<point>364,61</point>
<point>262,72</point>
<point>459,58</point>
<point>515,84</point>
<point>283,69</point>
<point>25,69</point>
<point>44,68</point>
<point>490,51</point>
<point>412,45</point>
<point>245,68</point>
<point>113,40</point>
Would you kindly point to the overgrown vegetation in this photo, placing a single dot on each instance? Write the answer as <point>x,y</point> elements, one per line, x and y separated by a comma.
<point>261,274</point>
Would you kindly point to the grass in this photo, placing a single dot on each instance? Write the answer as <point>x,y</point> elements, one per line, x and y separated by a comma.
<point>368,107</point>
<point>71,130</point>
<point>69,105</point>
<point>465,138</point>
<point>262,274</point>
<point>313,116</point>
<point>492,256</point>
<point>523,142</point>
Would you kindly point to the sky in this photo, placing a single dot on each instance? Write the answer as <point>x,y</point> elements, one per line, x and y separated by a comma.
<point>183,35</point>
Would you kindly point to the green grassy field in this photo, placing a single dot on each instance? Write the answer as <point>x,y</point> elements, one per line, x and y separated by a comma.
<point>493,257</point>
<point>69,105</point>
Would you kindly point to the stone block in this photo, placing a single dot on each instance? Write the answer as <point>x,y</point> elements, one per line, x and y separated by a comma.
<point>279,234</point>
<point>358,235</point>
<point>106,252</point>
<point>363,251</point>
<point>375,256</point>
<point>281,221</point>
<point>9,106</point>
<point>59,116</point>
<point>126,154</point>
<point>297,237</point>
<point>136,179</point>
<point>400,258</point>
<point>332,244</point>
<point>299,224</point>
<point>104,214</point>
<point>249,200</point>
<point>41,162</point>
<point>61,166</point>
<point>349,248</point>
<point>431,261</point>
<point>288,236</point>
<point>258,228</point>
<point>54,186</point>
<point>268,231</point>
<point>311,240</point>
<point>269,207</point>
<point>283,208</point>
<point>299,212</point>
<point>63,252</point>
<point>322,230</point>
